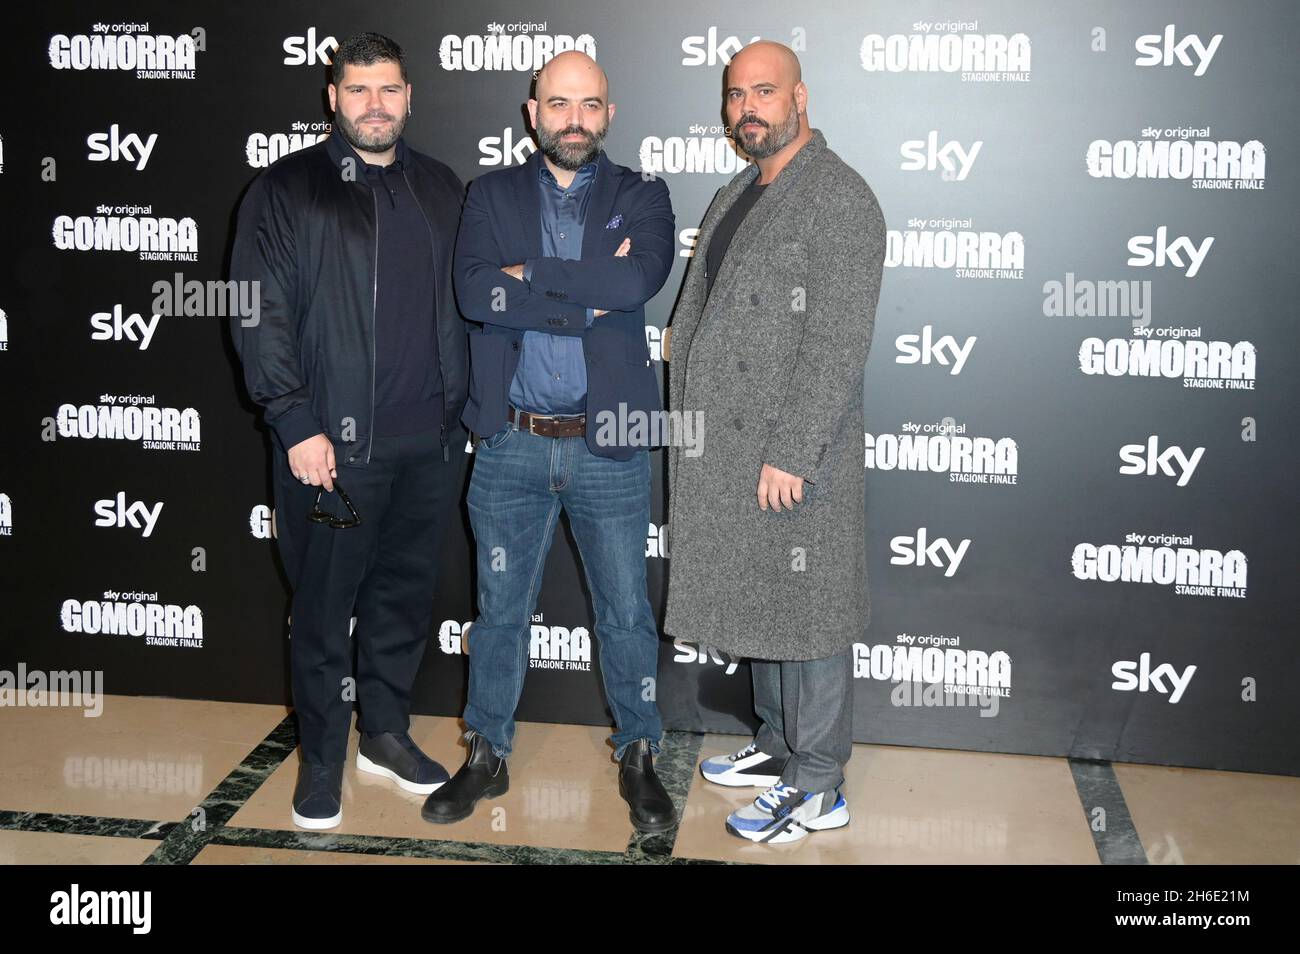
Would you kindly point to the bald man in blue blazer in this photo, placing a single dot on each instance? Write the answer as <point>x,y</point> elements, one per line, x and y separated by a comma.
<point>554,263</point>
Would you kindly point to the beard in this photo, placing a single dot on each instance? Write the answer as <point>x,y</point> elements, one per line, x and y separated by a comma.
<point>363,140</point>
<point>570,155</point>
<point>772,140</point>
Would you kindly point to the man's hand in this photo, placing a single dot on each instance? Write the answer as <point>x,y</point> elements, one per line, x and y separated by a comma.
<point>314,459</point>
<point>621,252</point>
<point>776,487</point>
<point>514,271</point>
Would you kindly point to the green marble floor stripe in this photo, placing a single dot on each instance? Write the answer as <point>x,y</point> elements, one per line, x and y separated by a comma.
<point>1117,841</point>
<point>63,823</point>
<point>190,836</point>
<point>443,850</point>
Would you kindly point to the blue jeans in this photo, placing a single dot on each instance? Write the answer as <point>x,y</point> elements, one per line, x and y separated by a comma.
<point>519,485</point>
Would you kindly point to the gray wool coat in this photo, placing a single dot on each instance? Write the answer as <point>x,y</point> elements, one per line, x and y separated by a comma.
<point>771,368</point>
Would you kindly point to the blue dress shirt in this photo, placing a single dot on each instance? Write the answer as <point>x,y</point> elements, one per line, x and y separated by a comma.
<point>552,374</point>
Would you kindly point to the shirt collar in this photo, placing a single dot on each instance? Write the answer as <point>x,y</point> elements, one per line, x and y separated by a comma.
<point>581,177</point>
<point>400,157</point>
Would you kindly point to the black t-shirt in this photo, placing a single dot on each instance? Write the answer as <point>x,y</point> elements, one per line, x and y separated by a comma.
<point>727,229</point>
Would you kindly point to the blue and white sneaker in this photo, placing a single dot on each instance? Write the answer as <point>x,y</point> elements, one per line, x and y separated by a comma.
<point>749,766</point>
<point>785,813</point>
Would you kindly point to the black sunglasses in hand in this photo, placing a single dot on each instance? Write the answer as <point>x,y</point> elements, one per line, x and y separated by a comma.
<point>336,523</point>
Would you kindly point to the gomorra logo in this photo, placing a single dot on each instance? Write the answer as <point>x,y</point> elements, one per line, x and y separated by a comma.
<point>126,51</point>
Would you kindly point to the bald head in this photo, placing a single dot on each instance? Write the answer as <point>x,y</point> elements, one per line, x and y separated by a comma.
<point>774,59</point>
<point>572,70</point>
<point>571,111</point>
<point>765,99</point>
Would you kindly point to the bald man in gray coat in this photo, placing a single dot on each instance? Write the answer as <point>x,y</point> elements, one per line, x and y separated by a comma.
<point>767,514</point>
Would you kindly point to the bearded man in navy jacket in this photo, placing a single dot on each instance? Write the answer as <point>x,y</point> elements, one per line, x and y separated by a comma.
<point>554,263</point>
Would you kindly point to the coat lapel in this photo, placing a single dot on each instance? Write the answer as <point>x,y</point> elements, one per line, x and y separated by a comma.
<point>529,204</point>
<point>764,210</point>
<point>720,207</point>
<point>600,205</point>
<point>690,305</point>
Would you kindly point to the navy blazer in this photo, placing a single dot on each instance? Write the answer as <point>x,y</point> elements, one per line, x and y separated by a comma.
<point>501,226</point>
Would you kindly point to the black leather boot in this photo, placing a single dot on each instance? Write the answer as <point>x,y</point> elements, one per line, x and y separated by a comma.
<point>482,776</point>
<point>652,809</point>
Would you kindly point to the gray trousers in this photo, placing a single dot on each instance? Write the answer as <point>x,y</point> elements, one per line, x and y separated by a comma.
<point>806,709</point>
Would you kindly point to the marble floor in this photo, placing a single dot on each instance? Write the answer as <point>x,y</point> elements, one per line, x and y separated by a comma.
<point>170,781</point>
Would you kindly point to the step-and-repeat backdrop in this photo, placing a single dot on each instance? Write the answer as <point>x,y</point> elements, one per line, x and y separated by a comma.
<point>1079,448</point>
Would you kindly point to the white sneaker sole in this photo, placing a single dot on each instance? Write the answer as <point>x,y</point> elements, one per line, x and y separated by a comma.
<point>833,819</point>
<point>316,824</point>
<point>733,779</point>
<point>796,831</point>
<point>417,788</point>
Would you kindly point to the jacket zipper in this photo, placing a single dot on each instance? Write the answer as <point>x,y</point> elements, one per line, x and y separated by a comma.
<point>374,308</point>
<point>433,255</point>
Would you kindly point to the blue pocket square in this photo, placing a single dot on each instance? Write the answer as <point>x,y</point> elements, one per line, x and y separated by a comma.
<point>615,222</point>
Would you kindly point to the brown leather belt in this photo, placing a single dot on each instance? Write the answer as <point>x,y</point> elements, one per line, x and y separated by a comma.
<point>548,426</point>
